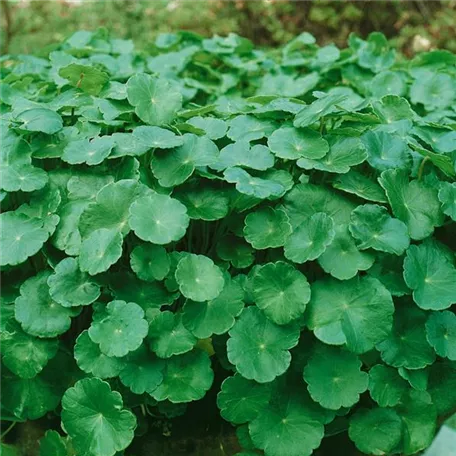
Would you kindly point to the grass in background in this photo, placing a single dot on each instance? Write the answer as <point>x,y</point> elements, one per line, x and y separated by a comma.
<point>30,25</point>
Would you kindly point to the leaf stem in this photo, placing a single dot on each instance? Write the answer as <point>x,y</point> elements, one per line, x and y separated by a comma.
<point>81,77</point>
<point>421,168</point>
<point>8,429</point>
<point>322,125</point>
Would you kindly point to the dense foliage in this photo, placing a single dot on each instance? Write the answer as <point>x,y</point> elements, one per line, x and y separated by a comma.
<point>284,218</point>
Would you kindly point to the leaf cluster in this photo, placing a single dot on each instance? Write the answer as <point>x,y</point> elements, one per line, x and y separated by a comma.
<point>284,216</point>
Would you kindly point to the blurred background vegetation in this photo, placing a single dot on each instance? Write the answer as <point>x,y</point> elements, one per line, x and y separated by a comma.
<point>27,26</point>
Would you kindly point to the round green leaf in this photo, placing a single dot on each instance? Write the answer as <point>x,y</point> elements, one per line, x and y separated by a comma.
<point>21,237</point>
<point>241,400</point>
<point>291,425</point>
<point>217,316</point>
<point>92,361</point>
<point>156,137</point>
<point>406,346</point>
<point>173,167</point>
<point>321,107</point>
<point>100,251</point>
<point>344,152</point>
<point>441,333</point>
<point>156,100</point>
<point>158,218</point>
<point>277,106</point>
<point>91,152</point>
<point>70,287</point>
<point>267,228</point>
<point>23,354</point>
<point>25,178</point>
<point>241,154</point>
<point>94,418</point>
<point>412,202</point>
<point>392,108</point>
<point>40,120</point>
<point>249,128</point>
<point>388,82</point>
<point>308,241</point>
<point>142,372</point>
<point>168,336</point>
<point>38,314</point>
<point>128,144</point>
<point>431,276</point>
<point>150,262</point>
<point>292,143</point>
<point>355,312</point>
<point>199,278</point>
<point>253,186</point>
<point>88,78</point>
<point>357,184</point>
<point>375,431</point>
<point>342,259</point>
<point>280,291</point>
<point>386,386</point>
<point>433,90</point>
<point>259,348</point>
<point>204,203</point>
<point>186,378</point>
<point>372,227</point>
<point>440,139</point>
<point>296,204</point>
<point>111,209</point>
<point>213,127</point>
<point>119,328</point>
<point>334,377</point>
<point>386,151</point>
<point>287,85</point>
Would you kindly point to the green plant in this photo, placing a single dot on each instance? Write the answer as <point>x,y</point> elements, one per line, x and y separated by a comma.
<point>283,217</point>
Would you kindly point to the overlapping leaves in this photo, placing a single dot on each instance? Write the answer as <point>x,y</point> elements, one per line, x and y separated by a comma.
<point>287,217</point>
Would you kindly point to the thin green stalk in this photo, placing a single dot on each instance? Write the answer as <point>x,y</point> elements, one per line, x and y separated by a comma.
<point>8,429</point>
<point>421,168</point>
<point>322,125</point>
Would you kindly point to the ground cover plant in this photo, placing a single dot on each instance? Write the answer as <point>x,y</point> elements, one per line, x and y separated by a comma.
<point>276,227</point>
